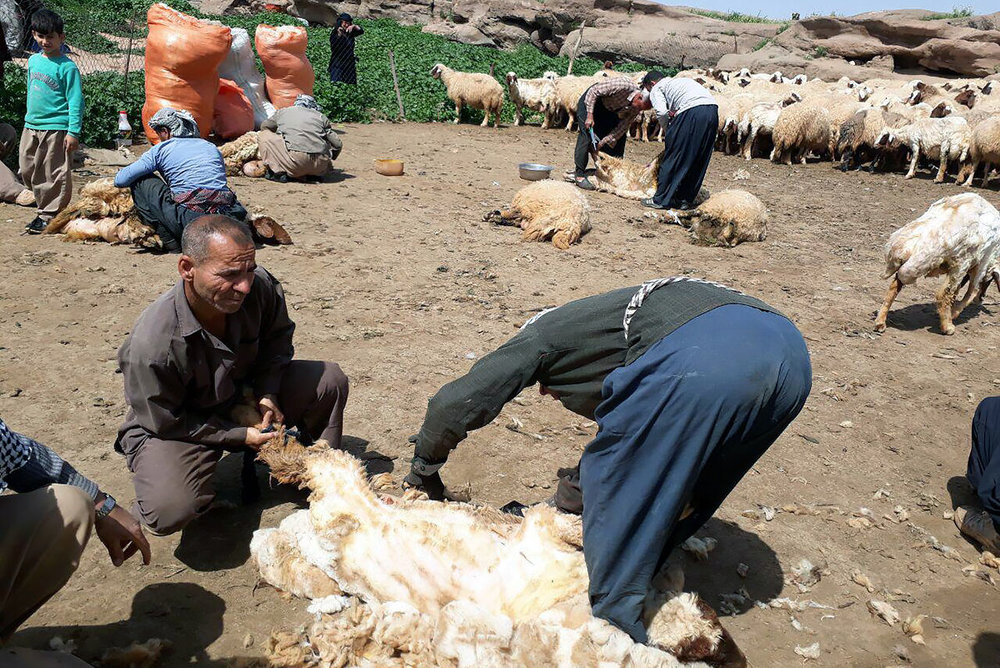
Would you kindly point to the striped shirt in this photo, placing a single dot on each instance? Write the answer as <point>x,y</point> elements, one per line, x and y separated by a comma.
<point>27,465</point>
<point>615,94</point>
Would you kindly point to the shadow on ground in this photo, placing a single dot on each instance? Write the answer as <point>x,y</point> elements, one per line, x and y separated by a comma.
<point>152,609</point>
<point>220,539</point>
<point>718,575</point>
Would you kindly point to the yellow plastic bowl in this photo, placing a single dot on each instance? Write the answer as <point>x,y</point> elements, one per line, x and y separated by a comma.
<point>389,166</point>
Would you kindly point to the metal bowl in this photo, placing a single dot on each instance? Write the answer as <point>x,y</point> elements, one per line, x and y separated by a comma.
<point>532,171</point>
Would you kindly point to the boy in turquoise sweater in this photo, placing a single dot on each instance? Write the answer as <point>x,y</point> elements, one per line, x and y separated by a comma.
<point>53,121</point>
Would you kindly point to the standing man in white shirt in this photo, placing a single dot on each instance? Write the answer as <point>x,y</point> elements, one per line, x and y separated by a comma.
<point>690,119</point>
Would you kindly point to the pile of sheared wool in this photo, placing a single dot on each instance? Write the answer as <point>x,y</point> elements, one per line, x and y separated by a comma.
<point>405,582</point>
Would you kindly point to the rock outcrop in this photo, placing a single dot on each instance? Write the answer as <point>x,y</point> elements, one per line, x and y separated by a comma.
<point>881,42</point>
<point>872,44</point>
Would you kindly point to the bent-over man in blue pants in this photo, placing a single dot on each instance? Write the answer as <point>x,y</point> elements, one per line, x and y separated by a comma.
<point>690,382</point>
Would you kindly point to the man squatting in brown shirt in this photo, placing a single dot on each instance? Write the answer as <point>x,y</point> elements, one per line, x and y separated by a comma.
<point>222,328</point>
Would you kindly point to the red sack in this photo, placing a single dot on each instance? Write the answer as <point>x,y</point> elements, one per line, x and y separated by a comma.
<point>288,72</point>
<point>183,55</point>
<point>233,111</point>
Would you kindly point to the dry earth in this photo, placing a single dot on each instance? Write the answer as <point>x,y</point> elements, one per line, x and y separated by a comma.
<point>400,282</point>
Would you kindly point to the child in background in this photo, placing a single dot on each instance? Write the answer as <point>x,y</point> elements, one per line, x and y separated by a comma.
<point>53,122</point>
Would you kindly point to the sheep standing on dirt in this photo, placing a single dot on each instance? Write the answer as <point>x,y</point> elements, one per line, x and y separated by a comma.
<point>727,218</point>
<point>479,91</point>
<point>535,94</point>
<point>984,148</point>
<point>547,210</point>
<point>800,128</point>
<point>958,237</point>
<point>943,139</point>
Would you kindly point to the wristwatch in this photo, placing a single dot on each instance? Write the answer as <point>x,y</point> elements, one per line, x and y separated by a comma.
<point>106,507</point>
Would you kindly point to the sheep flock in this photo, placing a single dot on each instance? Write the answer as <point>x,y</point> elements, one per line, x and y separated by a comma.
<point>885,124</point>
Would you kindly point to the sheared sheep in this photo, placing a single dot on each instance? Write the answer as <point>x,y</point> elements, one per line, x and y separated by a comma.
<point>547,210</point>
<point>477,90</point>
<point>629,179</point>
<point>535,94</point>
<point>942,139</point>
<point>958,237</point>
<point>626,178</point>
<point>419,582</point>
<point>727,218</point>
<point>800,128</point>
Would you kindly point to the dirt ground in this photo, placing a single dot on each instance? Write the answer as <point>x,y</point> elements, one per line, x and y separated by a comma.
<point>400,282</point>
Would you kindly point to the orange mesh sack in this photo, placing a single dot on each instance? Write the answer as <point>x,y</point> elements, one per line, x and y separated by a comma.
<point>286,68</point>
<point>182,65</point>
<point>233,111</point>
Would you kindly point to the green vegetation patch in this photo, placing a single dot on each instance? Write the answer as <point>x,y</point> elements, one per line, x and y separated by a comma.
<point>424,98</point>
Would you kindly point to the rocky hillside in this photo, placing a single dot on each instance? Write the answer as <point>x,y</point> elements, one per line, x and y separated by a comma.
<point>878,43</point>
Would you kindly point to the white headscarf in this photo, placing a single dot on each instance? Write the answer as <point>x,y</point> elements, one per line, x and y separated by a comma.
<point>180,123</point>
<point>307,101</point>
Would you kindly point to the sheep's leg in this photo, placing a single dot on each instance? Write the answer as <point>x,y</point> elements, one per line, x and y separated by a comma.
<point>970,293</point>
<point>486,118</point>
<point>890,297</point>
<point>913,164</point>
<point>748,145</point>
<point>945,300</point>
<point>972,174</point>
<point>569,122</point>
<point>943,168</point>
<point>518,115</point>
<point>987,168</point>
<point>458,112</point>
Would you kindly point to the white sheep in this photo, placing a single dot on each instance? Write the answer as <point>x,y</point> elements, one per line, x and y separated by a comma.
<point>958,237</point>
<point>727,218</point>
<point>535,94</point>
<point>984,149</point>
<point>760,120</point>
<point>800,128</point>
<point>463,585</point>
<point>547,210</point>
<point>941,139</point>
<point>570,88</point>
<point>477,90</point>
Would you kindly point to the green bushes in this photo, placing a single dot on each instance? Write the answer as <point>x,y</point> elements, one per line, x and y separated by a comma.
<point>373,98</point>
<point>734,17</point>
<point>956,13</point>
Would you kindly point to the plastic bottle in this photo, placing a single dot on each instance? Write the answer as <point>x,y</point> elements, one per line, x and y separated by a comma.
<point>124,130</point>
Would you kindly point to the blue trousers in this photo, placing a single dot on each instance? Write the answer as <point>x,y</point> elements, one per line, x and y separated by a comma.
<point>681,425</point>
<point>984,460</point>
<point>687,144</point>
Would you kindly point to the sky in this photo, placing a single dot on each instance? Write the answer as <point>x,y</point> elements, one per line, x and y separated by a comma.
<point>781,9</point>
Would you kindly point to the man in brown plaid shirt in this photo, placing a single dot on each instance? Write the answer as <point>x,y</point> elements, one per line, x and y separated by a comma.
<point>607,108</point>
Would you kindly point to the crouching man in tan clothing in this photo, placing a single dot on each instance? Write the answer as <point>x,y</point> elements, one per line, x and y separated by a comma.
<point>222,331</point>
<point>43,531</point>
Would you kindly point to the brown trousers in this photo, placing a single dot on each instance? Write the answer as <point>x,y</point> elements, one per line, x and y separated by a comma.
<point>173,479</point>
<point>42,535</point>
<point>10,187</point>
<point>274,153</point>
<point>46,170</point>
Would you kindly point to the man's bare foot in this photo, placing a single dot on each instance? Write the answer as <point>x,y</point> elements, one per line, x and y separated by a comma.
<point>978,525</point>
